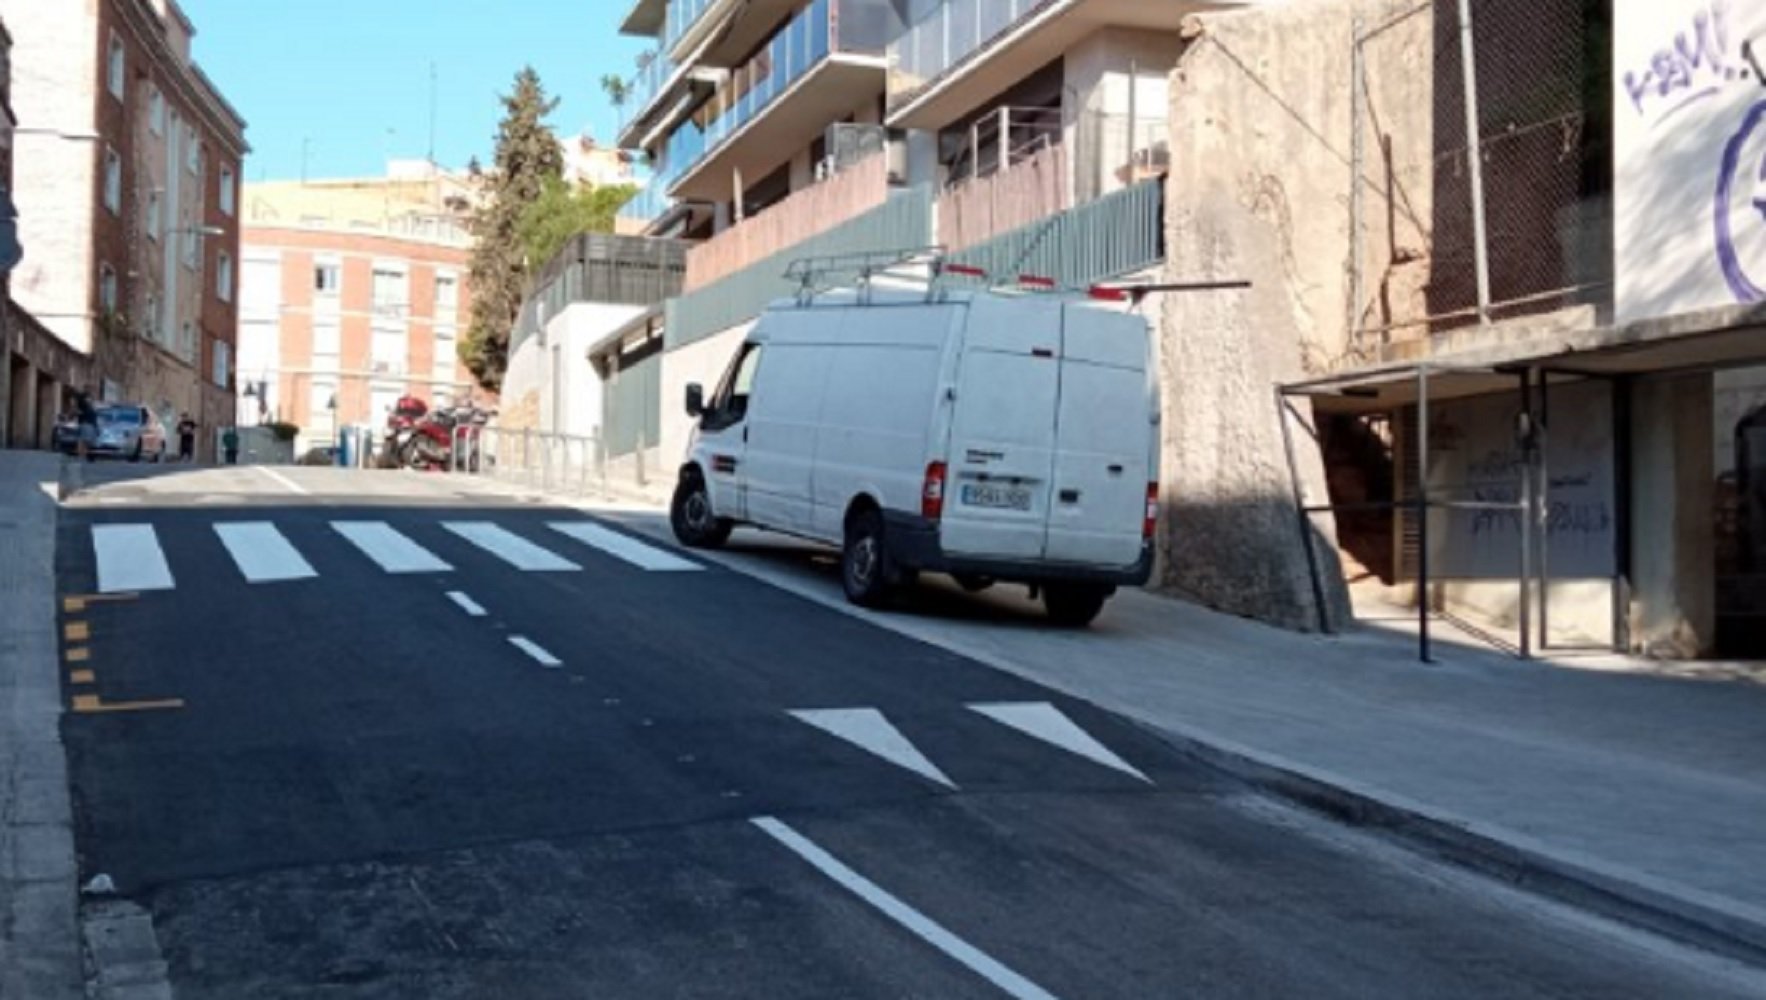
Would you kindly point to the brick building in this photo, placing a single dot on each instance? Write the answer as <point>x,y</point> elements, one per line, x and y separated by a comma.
<point>127,186</point>
<point>342,317</point>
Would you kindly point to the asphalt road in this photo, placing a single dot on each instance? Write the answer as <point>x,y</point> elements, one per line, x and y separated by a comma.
<point>545,759</point>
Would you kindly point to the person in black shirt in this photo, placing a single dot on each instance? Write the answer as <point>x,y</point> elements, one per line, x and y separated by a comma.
<point>88,420</point>
<point>186,438</point>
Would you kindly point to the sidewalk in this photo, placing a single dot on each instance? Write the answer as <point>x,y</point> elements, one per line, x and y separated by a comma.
<point>1635,789</point>
<point>39,939</point>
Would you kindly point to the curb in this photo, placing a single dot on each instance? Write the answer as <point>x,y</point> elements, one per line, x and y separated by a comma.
<point>1683,914</point>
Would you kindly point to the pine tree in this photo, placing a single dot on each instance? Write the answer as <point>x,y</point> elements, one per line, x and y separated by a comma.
<point>528,159</point>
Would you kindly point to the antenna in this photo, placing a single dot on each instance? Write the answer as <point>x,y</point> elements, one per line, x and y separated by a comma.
<point>432,104</point>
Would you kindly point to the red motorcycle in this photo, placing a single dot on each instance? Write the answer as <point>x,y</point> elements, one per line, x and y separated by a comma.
<point>401,427</point>
<point>429,445</point>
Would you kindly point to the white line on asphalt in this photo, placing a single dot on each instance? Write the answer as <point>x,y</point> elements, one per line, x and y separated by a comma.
<point>626,548</point>
<point>1045,722</point>
<point>510,547</point>
<point>262,554</point>
<point>467,604</point>
<point>922,926</point>
<point>287,483</point>
<point>867,729</point>
<point>129,559</point>
<point>534,650</point>
<point>392,551</point>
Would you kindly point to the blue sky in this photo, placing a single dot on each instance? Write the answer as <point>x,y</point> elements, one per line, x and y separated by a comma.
<point>343,72</point>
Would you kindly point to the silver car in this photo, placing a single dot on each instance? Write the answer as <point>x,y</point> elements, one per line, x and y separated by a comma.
<point>131,432</point>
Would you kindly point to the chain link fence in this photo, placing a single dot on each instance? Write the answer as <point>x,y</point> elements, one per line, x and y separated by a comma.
<point>1455,226</point>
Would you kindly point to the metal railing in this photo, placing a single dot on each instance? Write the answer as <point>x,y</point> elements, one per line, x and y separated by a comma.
<point>549,462</point>
<point>942,40</point>
<point>1116,235</point>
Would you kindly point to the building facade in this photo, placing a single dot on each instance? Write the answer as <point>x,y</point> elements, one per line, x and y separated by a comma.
<point>344,314</point>
<point>129,163</point>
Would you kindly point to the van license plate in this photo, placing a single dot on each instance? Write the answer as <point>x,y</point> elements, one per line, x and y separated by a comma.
<point>1002,497</point>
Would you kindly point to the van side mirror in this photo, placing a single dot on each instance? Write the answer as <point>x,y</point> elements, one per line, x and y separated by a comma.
<point>695,399</point>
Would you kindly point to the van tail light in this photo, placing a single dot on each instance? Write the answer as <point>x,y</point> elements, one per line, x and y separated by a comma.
<point>965,271</point>
<point>1151,524</point>
<point>1037,281</point>
<point>932,493</point>
<point>1103,293</point>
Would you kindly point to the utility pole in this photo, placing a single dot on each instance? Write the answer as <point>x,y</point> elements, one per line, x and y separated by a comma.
<point>432,111</point>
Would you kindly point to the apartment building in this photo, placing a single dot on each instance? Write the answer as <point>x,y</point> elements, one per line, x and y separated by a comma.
<point>354,293</point>
<point>127,185</point>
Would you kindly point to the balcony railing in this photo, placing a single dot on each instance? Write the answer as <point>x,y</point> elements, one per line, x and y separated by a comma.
<point>648,204</point>
<point>825,28</point>
<point>806,213</point>
<point>943,39</point>
<point>643,88</point>
<point>1116,235</point>
<point>682,16</point>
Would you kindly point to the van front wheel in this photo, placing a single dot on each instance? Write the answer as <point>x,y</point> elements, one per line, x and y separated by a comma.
<point>691,516</point>
<point>864,562</point>
<point>1074,606</point>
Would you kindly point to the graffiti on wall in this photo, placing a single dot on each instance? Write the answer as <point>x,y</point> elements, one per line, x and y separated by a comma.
<point>1690,155</point>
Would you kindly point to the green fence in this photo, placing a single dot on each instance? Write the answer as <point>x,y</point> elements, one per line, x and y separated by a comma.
<point>903,221</point>
<point>1118,234</point>
<point>632,418</point>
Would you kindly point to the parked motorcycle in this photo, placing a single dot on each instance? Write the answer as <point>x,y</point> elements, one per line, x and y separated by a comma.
<point>401,427</point>
<point>430,444</point>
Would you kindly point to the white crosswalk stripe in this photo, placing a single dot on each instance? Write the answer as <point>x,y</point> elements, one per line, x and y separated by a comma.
<point>625,548</point>
<point>129,559</point>
<point>389,549</point>
<point>510,547</point>
<point>262,554</point>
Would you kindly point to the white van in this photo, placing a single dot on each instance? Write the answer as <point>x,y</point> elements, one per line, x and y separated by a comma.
<point>995,437</point>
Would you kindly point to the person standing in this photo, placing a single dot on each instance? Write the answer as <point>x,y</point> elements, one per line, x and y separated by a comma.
<point>186,438</point>
<point>230,445</point>
<point>87,413</point>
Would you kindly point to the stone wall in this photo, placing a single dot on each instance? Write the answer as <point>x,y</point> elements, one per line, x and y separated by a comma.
<point>1259,189</point>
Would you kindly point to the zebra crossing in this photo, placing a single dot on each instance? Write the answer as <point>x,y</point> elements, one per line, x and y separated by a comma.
<point>131,558</point>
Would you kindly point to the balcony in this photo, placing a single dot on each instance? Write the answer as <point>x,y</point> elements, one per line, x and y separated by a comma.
<point>825,63</point>
<point>720,32</point>
<point>966,51</point>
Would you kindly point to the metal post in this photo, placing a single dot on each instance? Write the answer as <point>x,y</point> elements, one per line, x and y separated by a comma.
<point>1474,157</point>
<point>1526,519</point>
<point>1318,598</point>
<point>1422,513</point>
<point>639,455</point>
<point>1134,80</point>
<point>1356,166</point>
<point>1622,514</point>
<point>1542,451</point>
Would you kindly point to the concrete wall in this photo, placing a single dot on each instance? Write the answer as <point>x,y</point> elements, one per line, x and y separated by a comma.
<point>703,361</point>
<point>1260,128</point>
<point>550,380</point>
<point>1673,540</point>
<point>1109,75</point>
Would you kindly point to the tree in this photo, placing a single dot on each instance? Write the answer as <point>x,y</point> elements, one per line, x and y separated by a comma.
<point>617,89</point>
<point>528,158</point>
<point>562,212</point>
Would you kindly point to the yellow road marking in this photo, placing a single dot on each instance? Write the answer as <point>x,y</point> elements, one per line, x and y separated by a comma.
<point>79,654</point>
<point>83,677</point>
<point>89,704</point>
<point>73,604</point>
<point>77,631</point>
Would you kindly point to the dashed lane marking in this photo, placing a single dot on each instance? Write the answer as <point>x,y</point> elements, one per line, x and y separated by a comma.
<point>76,632</point>
<point>1043,721</point>
<point>466,604</point>
<point>867,729</point>
<point>82,677</point>
<point>91,704</point>
<point>535,651</point>
<point>79,654</point>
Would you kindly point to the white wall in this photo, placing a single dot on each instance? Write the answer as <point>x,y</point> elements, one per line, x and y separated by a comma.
<point>1689,136</point>
<point>704,362</point>
<point>1113,72</point>
<point>568,337</point>
<point>55,179</point>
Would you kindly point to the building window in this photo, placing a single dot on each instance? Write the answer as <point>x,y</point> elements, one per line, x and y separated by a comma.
<point>115,68</point>
<point>156,111</point>
<point>192,151</point>
<point>107,289</point>
<point>447,298</point>
<point>149,325</point>
<point>227,195</point>
<point>192,246</point>
<point>223,364</point>
<point>391,293</point>
<point>186,345</point>
<point>224,277</point>
<point>327,341</point>
<point>446,356</point>
<point>153,215</point>
<point>327,279</point>
<point>113,181</point>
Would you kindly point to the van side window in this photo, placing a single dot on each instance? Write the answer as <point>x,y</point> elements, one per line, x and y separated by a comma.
<point>731,405</point>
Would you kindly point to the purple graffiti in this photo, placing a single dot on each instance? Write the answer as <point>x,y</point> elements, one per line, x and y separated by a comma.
<point>1697,63</point>
<point>1728,259</point>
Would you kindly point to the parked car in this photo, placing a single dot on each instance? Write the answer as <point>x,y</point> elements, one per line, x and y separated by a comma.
<point>993,437</point>
<point>66,436</point>
<point>131,432</point>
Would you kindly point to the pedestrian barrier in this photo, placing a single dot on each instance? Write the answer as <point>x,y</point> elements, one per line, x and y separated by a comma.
<point>545,460</point>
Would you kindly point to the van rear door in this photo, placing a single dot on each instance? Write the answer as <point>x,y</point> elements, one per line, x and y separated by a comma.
<point>1104,441</point>
<point>1002,440</point>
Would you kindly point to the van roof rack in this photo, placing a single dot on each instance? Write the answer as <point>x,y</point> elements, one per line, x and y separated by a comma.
<point>819,274</point>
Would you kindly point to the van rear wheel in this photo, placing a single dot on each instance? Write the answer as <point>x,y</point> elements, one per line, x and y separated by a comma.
<point>1074,606</point>
<point>865,572</point>
<point>690,515</point>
